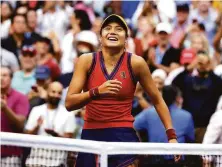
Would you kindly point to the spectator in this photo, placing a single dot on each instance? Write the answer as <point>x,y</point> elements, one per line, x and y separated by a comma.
<point>97,24</point>
<point>206,15</point>
<point>9,59</point>
<point>164,56</point>
<point>180,24</point>
<point>52,20</point>
<point>85,42</point>
<point>16,40</point>
<point>141,100</point>
<point>38,93</point>
<point>201,90</point>
<point>213,135</point>
<point>182,120</point>
<point>14,110</point>
<point>50,119</point>
<point>188,62</point>
<point>217,41</point>
<point>6,13</point>
<point>45,57</point>
<point>146,32</point>
<point>79,21</point>
<point>24,79</point>
<point>32,24</point>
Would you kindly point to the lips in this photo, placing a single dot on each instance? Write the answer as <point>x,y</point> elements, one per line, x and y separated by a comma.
<point>112,38</point>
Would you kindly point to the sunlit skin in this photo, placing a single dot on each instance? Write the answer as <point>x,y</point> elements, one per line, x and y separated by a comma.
<point>113,31</point>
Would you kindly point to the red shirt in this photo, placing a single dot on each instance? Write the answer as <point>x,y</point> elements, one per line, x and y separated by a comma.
<point>112,111</point>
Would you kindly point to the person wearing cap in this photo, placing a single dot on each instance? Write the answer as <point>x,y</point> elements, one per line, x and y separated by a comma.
<point>38,93</point>
<point>188,62</point>
<point>164,55</point>
<point>24,79</point>
<point>105,82</point>
<point>201,91</point>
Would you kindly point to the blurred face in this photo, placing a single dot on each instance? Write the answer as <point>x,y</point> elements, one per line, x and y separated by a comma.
<point>5,78</point>
<point>50,4</point>
<point>159,83</point>
<point>163,38</point>
<point>144,26</point>
<point>203,63</point>
<point>83,47</point>
<point>19,25</point>
<point>32,19</point>
<point>113,35</point>
<point>28,61</point>
<point>55,93</point>
<point>182,16</point>
<point>41,48</point>
<point>204,5</point>
<point>22,10</point>
<point>5,10</point>
<point>197,44</point>
<point>96,25</point>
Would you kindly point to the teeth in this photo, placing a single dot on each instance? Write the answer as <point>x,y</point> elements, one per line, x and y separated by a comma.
<point>112,38</point>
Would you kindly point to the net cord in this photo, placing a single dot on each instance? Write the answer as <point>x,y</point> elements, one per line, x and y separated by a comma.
<point>108,148</point>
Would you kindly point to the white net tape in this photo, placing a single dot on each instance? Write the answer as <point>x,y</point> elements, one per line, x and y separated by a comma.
<point>108,148</point>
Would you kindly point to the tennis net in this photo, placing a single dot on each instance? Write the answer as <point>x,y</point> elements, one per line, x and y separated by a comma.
<point>32,150</point>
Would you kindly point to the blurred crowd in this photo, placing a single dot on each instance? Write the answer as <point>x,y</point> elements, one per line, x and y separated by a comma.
<point>181,41</point>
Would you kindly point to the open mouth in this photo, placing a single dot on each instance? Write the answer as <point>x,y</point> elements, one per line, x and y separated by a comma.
<point>113,39</point>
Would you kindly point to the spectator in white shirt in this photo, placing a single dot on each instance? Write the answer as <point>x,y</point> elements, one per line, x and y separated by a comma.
<point>6,12</point>
<point>50,119</point>
<point>213,135</point>
<point>52,19</point>
<point>79,21</point>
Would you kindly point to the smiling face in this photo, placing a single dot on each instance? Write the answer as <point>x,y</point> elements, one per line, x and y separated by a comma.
<point>113,35</point>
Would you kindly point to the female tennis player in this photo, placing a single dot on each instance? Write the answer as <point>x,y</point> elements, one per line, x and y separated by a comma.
<point>108,80</point>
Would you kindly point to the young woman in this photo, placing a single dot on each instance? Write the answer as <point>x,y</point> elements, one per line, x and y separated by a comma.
<point>108,79</point>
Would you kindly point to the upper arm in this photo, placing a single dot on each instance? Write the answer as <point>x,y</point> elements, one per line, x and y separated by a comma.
<point>32,120</point>
<point>80,74</point>
<point>142,73</point>
<point>214,129</point>
<point>22,107</point>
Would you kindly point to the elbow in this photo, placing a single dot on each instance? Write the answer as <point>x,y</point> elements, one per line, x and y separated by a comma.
<point>70,105</point>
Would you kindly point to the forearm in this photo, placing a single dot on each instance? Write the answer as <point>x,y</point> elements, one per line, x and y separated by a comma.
<point>77,101</point>
<point>34,131</point>
<point>14,119</point>
<point>164,113</point>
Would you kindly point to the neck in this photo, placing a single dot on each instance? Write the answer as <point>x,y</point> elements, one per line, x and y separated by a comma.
<point>111,52</point>
<point>18,37</point>
<point>50,106</point>
<point>27,71</point>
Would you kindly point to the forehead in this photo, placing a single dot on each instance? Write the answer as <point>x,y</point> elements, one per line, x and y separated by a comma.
<point>5,70</point>
<point>113,24</point>
<point>56,87</point>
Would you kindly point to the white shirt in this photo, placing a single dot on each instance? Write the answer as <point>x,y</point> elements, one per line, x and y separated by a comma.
<point>57,22</point>
<point>68,53</point>
<point>173,74</point>
<point>61,121</point>
<point>214,129</point>
<point>4,28</point>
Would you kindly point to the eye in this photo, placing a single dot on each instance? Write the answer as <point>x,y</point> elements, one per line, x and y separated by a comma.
<point>119,29</point>
<point>107,28</point>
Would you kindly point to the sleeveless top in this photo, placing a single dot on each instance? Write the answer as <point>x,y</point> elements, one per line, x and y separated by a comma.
<point>115,110</point>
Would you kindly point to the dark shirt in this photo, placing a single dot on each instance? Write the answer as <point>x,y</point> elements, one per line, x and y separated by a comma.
<point>200,95</point>
<point>9,44</point>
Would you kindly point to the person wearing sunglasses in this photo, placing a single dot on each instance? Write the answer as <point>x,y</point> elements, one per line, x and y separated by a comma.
<point>24,79</point>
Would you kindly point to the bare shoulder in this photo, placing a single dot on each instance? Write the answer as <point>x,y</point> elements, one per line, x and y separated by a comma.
<point>85,60</point>
<point>137,62</point>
